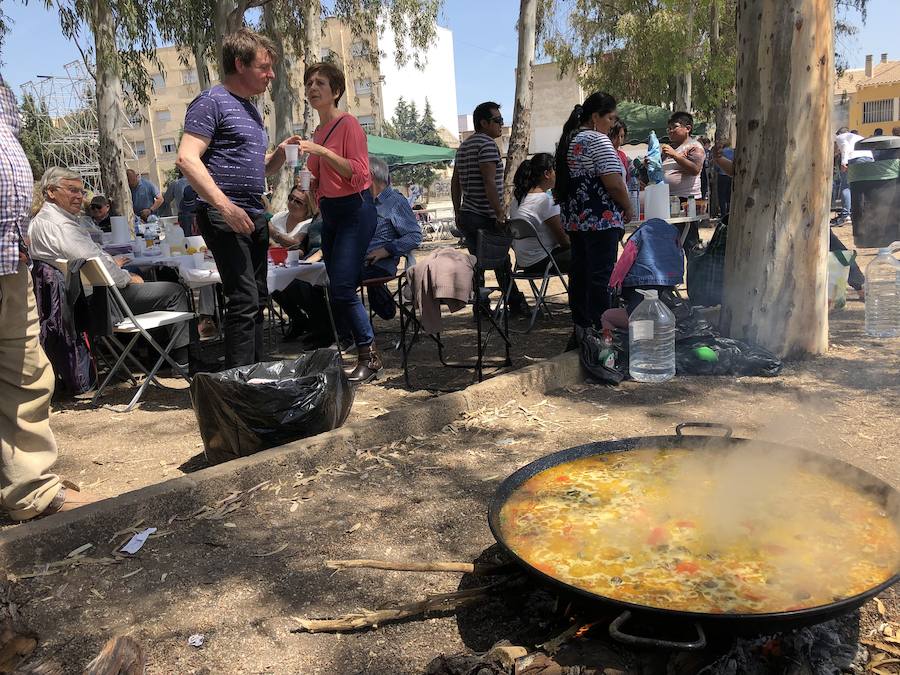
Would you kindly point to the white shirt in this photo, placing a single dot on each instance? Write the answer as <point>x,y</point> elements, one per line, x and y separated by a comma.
<point>847,143</point>
<point>56,234</point>
<point>279,222</point>
<point>536,208</point>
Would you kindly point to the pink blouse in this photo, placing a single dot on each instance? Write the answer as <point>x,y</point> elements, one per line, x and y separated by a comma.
<point>348,140</point>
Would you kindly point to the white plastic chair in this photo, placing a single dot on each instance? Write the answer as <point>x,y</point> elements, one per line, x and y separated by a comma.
<point>94,273</point>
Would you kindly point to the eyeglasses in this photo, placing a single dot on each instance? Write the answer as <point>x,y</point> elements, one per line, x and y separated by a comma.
<point>71,190</point>
<point>671,127</point>
<point>294,200</point>
<point>96,207</point>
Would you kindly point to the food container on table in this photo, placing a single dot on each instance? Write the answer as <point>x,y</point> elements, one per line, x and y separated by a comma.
<point>278,255</point>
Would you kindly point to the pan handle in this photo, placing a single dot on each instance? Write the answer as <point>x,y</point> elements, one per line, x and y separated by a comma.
<point>616,633</point>
<point>704,425</point>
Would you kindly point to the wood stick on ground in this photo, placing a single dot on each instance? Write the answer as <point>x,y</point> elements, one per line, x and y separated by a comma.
<point>440,602</point>
<point>410,566</point>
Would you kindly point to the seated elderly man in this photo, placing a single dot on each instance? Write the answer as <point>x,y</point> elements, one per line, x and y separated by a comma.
<point>396,235</point>
<point>55,234</point>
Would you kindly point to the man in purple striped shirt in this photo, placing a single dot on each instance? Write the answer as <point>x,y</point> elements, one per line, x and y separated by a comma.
<point>27,446</point>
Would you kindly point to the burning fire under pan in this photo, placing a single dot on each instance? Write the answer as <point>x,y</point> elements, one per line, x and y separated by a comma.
<point>696,534</point>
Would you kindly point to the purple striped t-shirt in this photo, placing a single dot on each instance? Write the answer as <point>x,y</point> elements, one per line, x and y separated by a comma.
<point>236,156</point>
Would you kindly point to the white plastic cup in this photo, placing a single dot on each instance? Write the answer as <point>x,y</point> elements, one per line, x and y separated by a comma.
<point>166,249</point>
<point>293,258</point>
<point>139,246</point>
<point>305,178</point>
<point>199,259</point>
<point>291,154</point>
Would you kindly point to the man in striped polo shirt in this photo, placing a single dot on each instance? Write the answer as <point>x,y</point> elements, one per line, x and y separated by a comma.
<point>477,189</point>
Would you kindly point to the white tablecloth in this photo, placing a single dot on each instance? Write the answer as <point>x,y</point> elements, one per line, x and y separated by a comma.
<point>278,278</point>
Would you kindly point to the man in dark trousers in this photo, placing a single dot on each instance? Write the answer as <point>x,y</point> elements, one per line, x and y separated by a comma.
<point>223,155</point>
<point>477,190</point>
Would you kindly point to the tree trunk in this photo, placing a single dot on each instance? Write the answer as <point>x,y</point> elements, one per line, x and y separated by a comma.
<point>775,271</point>
<point>520,134</point>
<point>200,63</point>
<point>683,91</point>
<point>223,10</point>
<point>283,101</point>
<point>684,80</point>
<point>110,118</point>
<point>312,43</point>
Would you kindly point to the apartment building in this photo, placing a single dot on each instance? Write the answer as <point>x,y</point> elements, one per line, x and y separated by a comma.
<point>374,85</point>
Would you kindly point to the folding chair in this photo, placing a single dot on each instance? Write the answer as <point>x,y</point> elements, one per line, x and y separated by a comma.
<point>523,229</point>
<point>94,273</point>
<point>491,251</point>
<point>409,259</point>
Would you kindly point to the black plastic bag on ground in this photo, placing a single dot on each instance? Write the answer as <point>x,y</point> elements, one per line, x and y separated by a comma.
<point>724,356</point>
<point>247,409</point>
<point>594,357</point>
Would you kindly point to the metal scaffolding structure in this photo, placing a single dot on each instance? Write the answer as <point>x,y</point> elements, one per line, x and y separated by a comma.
<point>72,138</point>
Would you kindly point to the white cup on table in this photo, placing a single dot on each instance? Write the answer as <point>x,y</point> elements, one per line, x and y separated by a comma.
<point>293,258</point>
<point>139,246</point>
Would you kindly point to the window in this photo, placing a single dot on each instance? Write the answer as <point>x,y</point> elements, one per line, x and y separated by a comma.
<point>140,150</point>
<point>189,77</point>
<point>363,86</point>
<point>359,49</point>
<point>163,115</point>
<point>367,122</point>
<point>159,82</point>
<point>878,111</point>
<point>167,145</point>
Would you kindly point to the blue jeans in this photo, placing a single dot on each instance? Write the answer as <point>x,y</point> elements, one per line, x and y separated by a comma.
<point>348,224</point>
<point>845,186</point>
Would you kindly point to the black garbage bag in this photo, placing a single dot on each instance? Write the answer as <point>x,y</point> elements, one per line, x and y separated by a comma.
<point>607,364</point>
<point>723,356</point>
<point>247,409</point>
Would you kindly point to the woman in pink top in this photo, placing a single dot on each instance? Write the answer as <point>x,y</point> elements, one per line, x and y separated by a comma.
<point>339,162</point>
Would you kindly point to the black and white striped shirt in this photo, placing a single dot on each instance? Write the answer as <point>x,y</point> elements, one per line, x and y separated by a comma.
<point>474,151</point>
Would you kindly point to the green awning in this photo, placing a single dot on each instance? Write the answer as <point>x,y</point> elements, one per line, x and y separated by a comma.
<point>399,153</point>
<point>642,119</point>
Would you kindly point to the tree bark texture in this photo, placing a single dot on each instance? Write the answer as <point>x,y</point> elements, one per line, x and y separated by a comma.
<point>312,48</point>
<point>283,102</point>
<point>775,293</point>
<point>200,64</point>
<point>110,117</point>
<point>520,134</point>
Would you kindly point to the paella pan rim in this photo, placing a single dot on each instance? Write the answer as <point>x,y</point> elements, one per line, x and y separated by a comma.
<point>806,615</point>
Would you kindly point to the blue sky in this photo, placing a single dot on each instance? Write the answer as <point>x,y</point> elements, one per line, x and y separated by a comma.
<point>484,45</point>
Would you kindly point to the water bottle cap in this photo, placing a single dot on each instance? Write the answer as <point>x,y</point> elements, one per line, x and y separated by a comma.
<point>651,294</point>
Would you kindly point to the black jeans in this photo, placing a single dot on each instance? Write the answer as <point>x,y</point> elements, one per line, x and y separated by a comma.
<point>152,296</point>
<point>469,224</point>
<point>241,259</point>
<point>594,255</point>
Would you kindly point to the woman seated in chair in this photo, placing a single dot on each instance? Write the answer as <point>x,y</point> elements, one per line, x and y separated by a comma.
<point>300,228</point>
<point>652,260</point>
<point>533,203</point>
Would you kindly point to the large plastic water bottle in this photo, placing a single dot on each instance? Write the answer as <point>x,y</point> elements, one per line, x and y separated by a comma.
<point>651,340</point>
<point>883,294</point>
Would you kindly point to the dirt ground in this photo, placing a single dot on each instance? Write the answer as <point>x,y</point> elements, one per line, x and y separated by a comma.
<point>242,580</point>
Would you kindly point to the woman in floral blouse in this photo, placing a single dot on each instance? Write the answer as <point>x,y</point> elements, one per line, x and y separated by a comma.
<point>590,189</point>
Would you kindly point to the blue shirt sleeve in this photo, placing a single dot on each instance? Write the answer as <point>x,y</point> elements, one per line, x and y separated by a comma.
<point>202,116</point>
<point>406,227</point>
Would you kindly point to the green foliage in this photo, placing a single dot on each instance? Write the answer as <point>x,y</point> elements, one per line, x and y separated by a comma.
<point>635,48</point>
<point>135,41</point>
<point>36,125</point>
<point>406,125</point>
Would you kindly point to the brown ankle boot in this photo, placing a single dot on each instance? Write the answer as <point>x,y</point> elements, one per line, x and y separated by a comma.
<point>368,364</point>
